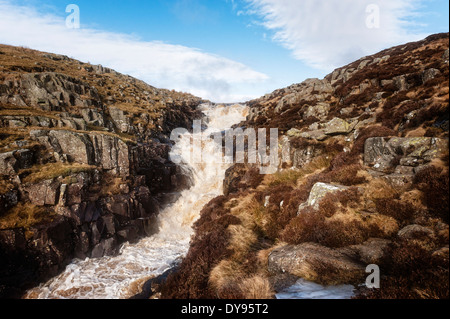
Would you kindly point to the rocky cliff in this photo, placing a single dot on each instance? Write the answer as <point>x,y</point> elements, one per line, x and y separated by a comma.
<point>362,179</point>
<point>84,161</point>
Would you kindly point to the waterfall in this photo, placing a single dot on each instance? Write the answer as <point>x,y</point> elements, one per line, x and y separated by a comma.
<point>120,276</point>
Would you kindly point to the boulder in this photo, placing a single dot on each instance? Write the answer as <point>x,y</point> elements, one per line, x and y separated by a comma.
<point>338,126</point>
<point>105,248</point>
<point>93,117</point>
<point>372,251</point>
<point>293,132</point>
<point>318,193</point>
<point>302,156</point>
<point>320,111</point>
<point>416,232</point>
<point>316,263</point>
<point>318,135</point>
<point>430,74</point>
<point>7,163</point>
<point>12,162</point>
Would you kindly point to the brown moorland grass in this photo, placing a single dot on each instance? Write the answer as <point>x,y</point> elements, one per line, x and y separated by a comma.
<point>39,173</point>
<point>25,215</point>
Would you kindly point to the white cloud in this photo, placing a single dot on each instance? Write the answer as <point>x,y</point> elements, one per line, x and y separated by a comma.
<point>330,33</point>
<point>159,64</point>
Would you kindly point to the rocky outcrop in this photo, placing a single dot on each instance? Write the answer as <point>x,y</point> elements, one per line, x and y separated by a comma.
<point>84,152</point>
<point>383,154</point>
<point>49,91</point>
<point>399,159</point>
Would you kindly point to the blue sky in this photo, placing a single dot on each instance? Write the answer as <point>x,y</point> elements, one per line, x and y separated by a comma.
<point>223,50</point>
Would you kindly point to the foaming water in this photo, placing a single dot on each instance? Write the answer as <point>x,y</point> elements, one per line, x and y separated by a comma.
<point>117,277</point>
<point>304,289</point>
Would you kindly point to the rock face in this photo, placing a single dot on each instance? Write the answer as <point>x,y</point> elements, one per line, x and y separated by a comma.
<point>84,150</point>
<point>383,154</point>
<point>316,263</point>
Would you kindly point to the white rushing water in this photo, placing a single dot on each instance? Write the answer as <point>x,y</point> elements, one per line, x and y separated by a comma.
<point>304,289</point>
<point>120,276</point>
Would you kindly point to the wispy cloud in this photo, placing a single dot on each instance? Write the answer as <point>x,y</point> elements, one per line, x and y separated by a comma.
<point>160,64</point>
<point>330,33</point>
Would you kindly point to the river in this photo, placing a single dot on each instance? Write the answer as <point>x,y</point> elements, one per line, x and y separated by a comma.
<point>121,276</point>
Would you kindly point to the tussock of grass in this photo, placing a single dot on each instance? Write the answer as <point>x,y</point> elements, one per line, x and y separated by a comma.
<point>5,185</point>
<point>256,287</point>
<point>25,215</point>
<point>292,176</point>
<point>27,112</point>
<point>241,241</point>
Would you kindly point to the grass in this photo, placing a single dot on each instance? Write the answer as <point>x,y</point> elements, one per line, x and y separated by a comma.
<point>26,215</point>
<point>13,110</point>
<point>5,185</point>
<point>292,176</point>
<point>39,173</point>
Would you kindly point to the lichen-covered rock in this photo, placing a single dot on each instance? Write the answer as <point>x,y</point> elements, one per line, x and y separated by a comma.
<point>12,162</point>
<point>318,135</point>
<point>385,154</point>
<point>7,163</point>
<point>415,232</point>
<point>338,126</point>
<point>316,263</point>
<point>52,91</point>
<point>44,193</point>
<point>320,111</point>
<point>373,251</point>
<point>318,193</point>
<point>111,153</point>
<point>78,147</point>
<point>122,122</point>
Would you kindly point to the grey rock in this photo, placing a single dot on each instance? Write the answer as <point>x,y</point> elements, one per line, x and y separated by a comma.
<point>7,163</point>
<point>430,74</point>
<point>77,147</point>
<point>44,193</point>
<point>315,263</point>
<point>318,193</point>
<point>384,154</point>
<point>122,122</point>
<point>373,251</point>
<point>416,232</point>
<point>338,126</point>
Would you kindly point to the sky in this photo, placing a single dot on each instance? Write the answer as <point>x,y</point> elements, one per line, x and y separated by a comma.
<point>221,50</point>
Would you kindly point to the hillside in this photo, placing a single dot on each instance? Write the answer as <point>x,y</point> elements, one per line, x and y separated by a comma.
<point>83,161</point>
<point>363,180</point>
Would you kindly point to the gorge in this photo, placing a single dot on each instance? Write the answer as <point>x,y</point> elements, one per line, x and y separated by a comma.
<point>94,206</point>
